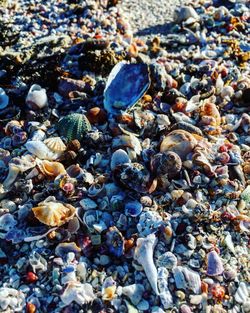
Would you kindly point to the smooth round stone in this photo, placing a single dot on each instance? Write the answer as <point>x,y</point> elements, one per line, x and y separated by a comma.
<point>143,305</point>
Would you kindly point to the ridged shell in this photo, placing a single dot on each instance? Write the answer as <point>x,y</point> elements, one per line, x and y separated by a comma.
<point>126,84</point>
<point>55,144</point>
<point>51,169</point>
<point>73,126</point>
<point>180,142</point>
<point>53,213</point>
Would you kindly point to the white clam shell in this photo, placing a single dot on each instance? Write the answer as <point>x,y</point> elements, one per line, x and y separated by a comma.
<point>144,255</point>
<point>37,97</point>
<point>40,150</point>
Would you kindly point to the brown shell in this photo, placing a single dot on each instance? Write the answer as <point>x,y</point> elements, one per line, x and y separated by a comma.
<point>96,115</point>
<point>53,213</point>
<point>74,145</point>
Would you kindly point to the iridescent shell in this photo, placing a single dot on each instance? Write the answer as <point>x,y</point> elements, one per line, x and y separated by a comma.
<point>133,176</point>
<point>179,141</point>
<point>126,84</point>
<point>55,144</point>
<point>51,169</point>
<point>166,163</point>
<point>214,264</point>
<point>74,126</point>
<point>115,242</point>
<point>53,213</point>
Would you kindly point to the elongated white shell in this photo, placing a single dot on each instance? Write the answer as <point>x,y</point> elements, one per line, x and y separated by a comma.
<point>144,255</point>
<point>39,149</point>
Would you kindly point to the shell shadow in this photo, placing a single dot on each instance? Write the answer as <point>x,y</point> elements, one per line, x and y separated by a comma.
<point>154,30</point>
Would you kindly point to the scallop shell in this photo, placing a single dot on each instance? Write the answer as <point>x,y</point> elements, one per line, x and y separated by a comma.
<point>51,169</point>
<point>55,144</point>
<point>126,84</point>
<point>214,264</point>
<point>74,126</point>
<point>53,213</point>
<point>179,141</point>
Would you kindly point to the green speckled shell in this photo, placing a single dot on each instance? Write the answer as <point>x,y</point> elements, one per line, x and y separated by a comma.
<point>73,126</point>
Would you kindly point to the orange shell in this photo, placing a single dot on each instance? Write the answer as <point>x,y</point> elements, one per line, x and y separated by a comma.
<point>53,213</point>
<point>51,169</point>
<point>210,109</point>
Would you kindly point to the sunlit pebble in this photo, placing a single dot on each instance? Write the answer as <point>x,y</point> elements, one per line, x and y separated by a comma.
<point>30,308</point>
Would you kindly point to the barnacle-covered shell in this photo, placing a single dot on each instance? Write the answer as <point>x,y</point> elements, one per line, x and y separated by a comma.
<point>126,84</point>
<point>166,163</point>
<point>51,169</point>
<point>133,176</point>
<point>74,126</point>
<point>179,141</point>
<point>115,242</point>
<point>55,144</point>
<point>53,213</point>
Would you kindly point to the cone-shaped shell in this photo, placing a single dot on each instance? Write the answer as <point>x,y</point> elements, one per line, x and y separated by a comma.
<point>179,141</point>
<point>53,213</point>
<point>126,84</point>
<point>55,144</point>
<point>74,126</point>
<point>214,264</point>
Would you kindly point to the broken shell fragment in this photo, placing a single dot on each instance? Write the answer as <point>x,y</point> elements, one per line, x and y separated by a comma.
<point>126,84</point>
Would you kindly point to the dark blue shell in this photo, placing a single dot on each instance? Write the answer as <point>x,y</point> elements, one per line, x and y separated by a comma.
<point>126,84</point>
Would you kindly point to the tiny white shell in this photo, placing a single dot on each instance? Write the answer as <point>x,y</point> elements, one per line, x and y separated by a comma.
<point>37,97</point>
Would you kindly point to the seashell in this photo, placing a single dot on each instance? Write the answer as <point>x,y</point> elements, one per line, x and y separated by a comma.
<point>115,242</point>
<point>242,293</point>
<point>88,204</point>
<point>96,190</point>
<point>53,213</point>
<point>96,115</point>
<point>168,260</point>
<point>214,264</point>
<point>119,157</point>
<point>126,84</point>
<point>108,289</point>
<point>78,292</point>
<point>245,195</point>
<point>37,97</point>
<point>133,208</point>
<point>37,262</point>
<point>227,91</point>
<point>166,163</point>
<point>184,13</point>
<point>11,177</point>
<point>134,292</point>
<point>55,144</point>
<point>39,149</point>
<point>67,85</point>
<point>144,255</point>
<point>73,126</point>
<point>129,141</point>
<point>210,109</point>
<point>179,141</point>
<point>184,308</point>
<point>75,171</point>
<point>19,138</point>
<point>12,300</point>
<point>51,169</point>
<point>165,294</point>
<point>62,249</point>
<point>133,176</point>
<point>4,99</point>
<point>7,222</point>
<point>74,145</point>
<point>187,279</point>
